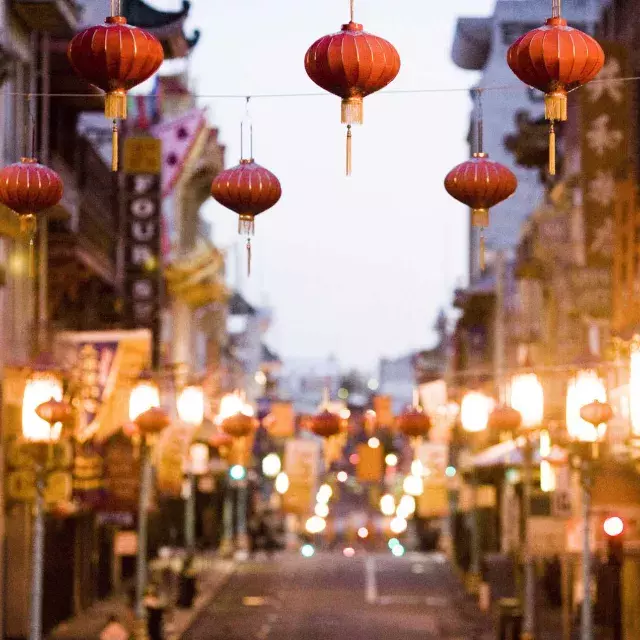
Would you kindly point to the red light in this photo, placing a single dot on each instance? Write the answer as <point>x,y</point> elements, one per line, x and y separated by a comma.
<point>354,458</point>
<point>613,526</point>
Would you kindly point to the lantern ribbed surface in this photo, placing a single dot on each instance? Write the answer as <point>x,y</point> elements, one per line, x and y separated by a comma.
<point>115,57</point>
<point>239,425</point>
<point>480,183</point>
<point>28,187</point>
<point>326,424</point>
<point>414,423</point>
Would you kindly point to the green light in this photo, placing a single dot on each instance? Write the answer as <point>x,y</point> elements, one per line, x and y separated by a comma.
<point>307,550</point>
<point>398,551</point>
<point>237,472</point>
<point>450,472</point>
<point>343,393</point>
<point>393,543</point>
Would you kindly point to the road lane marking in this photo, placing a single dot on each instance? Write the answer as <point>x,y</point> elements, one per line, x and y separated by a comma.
<point>431,601</point>
<point>371,588</point>
<point>417,568</point>
<point>254,601</point>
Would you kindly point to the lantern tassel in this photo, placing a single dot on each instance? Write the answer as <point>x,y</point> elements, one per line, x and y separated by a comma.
<point>114,146</point>
<point>349,149</point>
<point>248,256</point>
<point>552,150</point>
<point>482,251</point>
<point>28,226</point>
<point>115,105</point>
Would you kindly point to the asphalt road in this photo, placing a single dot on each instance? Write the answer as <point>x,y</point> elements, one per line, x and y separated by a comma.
<point>330,597</point>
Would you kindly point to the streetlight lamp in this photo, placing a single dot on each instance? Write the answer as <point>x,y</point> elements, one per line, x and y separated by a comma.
<point>39,438</point>
<point>527,398</point>
<point>145,412</point>
<point>475,409</point>
<point>190,405</point>
<point>587,416</point>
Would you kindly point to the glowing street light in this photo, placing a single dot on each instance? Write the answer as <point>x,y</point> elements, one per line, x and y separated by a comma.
<point>391,459</point>
<point>282,483</point>
<point>407,507</point>
<point>474,411</point>
<point>40,387</point>
<point>387,505</point>
<point>413,486</point>
<point>144,396</point>
<point>527,397</point>
<point>584,388</point>
<point>374,443</point>
<point>271,465</point>
<point>190,405</point>
<point>322,510</point>
<point>398,525</point>
<point>315,524</point>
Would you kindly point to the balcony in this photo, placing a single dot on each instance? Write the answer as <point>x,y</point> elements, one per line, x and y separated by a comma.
<point>57,17</point>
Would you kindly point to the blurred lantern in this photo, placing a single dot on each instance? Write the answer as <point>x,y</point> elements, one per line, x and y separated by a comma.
<point>480,183</point>
<point>152,421</point>
<point>115,57</point>
<point>352,64</point>
<point>527,398</point>
<point>555,59</point>
<point>326,424</point>
<point>55,412</point>
<point>28,188</point>
<point>246,189</point>
<point>585,388</point>
<point>414,423</point>
<point>597,414</point>
<point>236,417</point>
<point>190,405</point>
<point>41,387</point>
<point>474,411</point>
<point>504,418</point>
<point>144,396</point>
<point>220,440</point>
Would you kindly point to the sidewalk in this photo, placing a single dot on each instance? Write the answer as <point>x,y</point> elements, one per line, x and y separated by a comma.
<point>213,574</point>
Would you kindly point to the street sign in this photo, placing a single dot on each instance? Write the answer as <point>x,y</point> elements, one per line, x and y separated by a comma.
<point>546,537</point>
<point>561,504</point>
<point>125,543</point>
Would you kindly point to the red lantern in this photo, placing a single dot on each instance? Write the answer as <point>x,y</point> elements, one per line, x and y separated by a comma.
<point>53,411</point>
<point>352,64</point>
<point>480,183</point>
<point>249,190</point>
<point>555,59</point>
<point>239,425</point>
<point>220,439</point>
<point>504,418</point>
<point>414,423</point>
<point>596,413</point>
<point>152,421</point>
<point>326,424</point>
<point>115,57</point>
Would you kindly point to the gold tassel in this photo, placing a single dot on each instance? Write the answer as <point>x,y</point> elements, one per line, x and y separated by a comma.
<point>248,256</point>
<point>555,106</point>
<point>349,152</point>
<point>115,105</point>
<point>28,227</point>
<point>352,111</point>
<point>552,150</point>
<point>114,146</point>
<point>482,251</point>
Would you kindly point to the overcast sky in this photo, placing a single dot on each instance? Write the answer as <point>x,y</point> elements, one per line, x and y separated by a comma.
<point>359,266</point>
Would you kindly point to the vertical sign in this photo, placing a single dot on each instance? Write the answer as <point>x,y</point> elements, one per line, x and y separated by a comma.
<point>302,465</point>
<point>142,168</point>
<point>605,112</point>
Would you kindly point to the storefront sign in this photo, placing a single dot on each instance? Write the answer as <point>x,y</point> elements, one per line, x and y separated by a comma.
<point>302,465</point>
<point>370,467</point>
<point>282,420</point>
<point>121,474</point>
<point>142,168</point>
<point>547,536</point>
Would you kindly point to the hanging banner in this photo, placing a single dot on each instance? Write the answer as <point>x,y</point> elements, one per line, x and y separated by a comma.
<point>370,467</point>
<point>171,454</point>
<point>383,406</point>
<point>302,466</point>
<point>282,420</point>
<point>142,201</point>
<point>605,125</point>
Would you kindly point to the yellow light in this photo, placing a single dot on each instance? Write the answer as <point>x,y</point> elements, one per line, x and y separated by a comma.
<point>349,552</point>
<point>407,507</point>
<point>527,397</point>
<point>613,526</point>
<point>260,378</point>
<point>387,505</point>
<point>373,384</point>
<point>342,476</point>
<point>582,390</point>
<point>232,404</point>
<point>190,405</point>
<point>547,477</point>
<point>474,411</point>
<point>271,465</point>
<point>634,389</point>
<point>144,396</point>
<point>199,454</point>
<point>315,524</point>
<point>545,444</point>
<point>391,459</point>
<point>282,483</point>
<point>363,532</point>
<point>413,485</point>
<point>398,525</point>
<point>324,494</point>
<point>321,510</point>
<point>416,468</point>
<point>40,388</point>
<point>374,443</point>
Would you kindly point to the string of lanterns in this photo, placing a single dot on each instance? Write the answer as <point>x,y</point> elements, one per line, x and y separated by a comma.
<point>116,57</point>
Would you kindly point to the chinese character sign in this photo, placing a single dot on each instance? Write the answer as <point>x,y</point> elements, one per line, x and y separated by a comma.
<point>143,234</point>
<point>605,110</point>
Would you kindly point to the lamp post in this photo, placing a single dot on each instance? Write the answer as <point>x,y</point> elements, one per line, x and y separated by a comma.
<point>474,416</point>
<point>190,407</point>
<point>527,397</point>
<point>145,412</point>
<point>587,415</point>
<point>39,437</point>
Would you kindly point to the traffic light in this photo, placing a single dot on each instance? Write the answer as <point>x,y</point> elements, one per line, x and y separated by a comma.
<point>614,531</point>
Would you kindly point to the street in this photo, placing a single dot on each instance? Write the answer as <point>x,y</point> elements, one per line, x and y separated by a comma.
<point>330,597</point>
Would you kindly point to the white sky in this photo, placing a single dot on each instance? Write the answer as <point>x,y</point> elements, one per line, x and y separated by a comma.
<point>354,266</point>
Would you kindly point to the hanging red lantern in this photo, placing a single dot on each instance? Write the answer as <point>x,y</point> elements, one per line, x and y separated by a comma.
<point>555,58</point>
<point>414,423</point>
<point>239,425</point>
<point>152,421</point>
<point>504,418</point>
<point>54,411</point>
<point>480,183</point>
<point>596,413</point>
<point>28,188</point>
<point>326,424</point>
<point>115,57</point>
<point>249,190</point>
<point>352,64</point>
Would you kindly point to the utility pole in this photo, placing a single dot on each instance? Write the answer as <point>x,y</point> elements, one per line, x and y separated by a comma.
<point>499,329</point>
